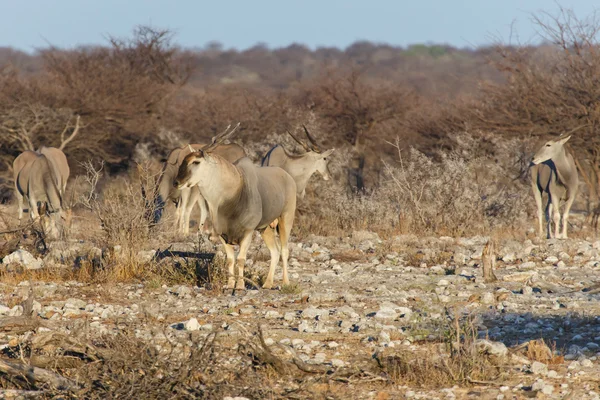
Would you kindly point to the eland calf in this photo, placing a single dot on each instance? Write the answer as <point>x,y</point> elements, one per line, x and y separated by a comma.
<point>243,197</point>
<point>553,171</point>
<point>300,167</point>
<point>186,198</point>
<point>35,180</point>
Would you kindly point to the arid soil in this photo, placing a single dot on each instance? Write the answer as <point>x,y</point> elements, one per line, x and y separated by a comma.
<point>355,302</point>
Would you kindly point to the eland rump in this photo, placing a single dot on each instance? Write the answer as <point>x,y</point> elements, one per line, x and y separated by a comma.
<point>300,167</point>
<point>553,171</point>
<point>35,179</point>
<point>243,197</point>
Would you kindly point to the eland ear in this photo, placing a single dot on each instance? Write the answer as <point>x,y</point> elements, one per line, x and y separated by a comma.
<point>564,140</point>
<point>327,153</point>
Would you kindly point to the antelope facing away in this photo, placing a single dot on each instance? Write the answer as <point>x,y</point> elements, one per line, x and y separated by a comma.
<point>300,167</point>
<point>553,171</point>
<point>35,179</point>
<point>243,197</point>
<point>186,198</point>
<point>59,164</point>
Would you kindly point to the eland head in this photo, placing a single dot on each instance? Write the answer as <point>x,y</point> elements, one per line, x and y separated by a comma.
<point>551,149</point>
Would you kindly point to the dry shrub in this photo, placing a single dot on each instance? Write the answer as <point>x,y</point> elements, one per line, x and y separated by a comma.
<point>463,192</point>
<point>457,360</point>
<point>124,209</point>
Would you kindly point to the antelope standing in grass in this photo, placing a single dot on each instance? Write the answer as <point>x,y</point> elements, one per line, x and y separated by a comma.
<point>186,198</point>
<point>553,171</point>
<point>243,197</point>
<point>35,180</point>
<point>300,167</point>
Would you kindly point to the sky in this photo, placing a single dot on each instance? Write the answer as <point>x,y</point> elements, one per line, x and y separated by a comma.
<point>30,24</point>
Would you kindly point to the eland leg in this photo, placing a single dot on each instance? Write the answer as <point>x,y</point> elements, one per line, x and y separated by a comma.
<point>537,195</point>
<point>230,263</point>
<point>20,204</point>
<point>203,213</point>
<point>268,236</point>
<point>556,217</point>
<point>241,260</point>
<point>285,227</point>
<point>549,218</point>
<point>182,207</point>
<point>565,216</point>
<point>191,201</point>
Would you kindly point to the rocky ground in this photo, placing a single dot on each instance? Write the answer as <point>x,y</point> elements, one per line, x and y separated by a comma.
<point>354,302</point>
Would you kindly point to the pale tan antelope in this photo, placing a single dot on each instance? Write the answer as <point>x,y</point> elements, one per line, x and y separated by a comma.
<point>243,197</point>
<point>553,171</point>
<point>36,181</point>
<point>300,167</point>
<point>185,198</point>
<point>59,164</point>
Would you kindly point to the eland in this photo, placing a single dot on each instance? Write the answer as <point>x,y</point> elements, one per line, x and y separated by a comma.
<point>59,164</point>
<point>186,198</point>
<point>553,171</point>
<point>243,197</point>
<point>300,167</point>
<point>36,180</point>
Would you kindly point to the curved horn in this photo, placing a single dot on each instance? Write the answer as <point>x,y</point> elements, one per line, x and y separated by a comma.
<point>300,142</point>
<point>312,140</point>
<point>221,137</point>
<point>191,148</point>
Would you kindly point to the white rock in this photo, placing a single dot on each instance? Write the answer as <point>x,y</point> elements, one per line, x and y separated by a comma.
<point>386,313</point>
<point>16,311</point>
<point>272,314</point>
<point>191,325</point>
<point>337,363</point>
<point>488,298</point>
<point>551,260</point>
<point>497,349</point>
<point>289,316</point>
<point>539,368</point>
<point>75,303</point>
<point>145,256</point>
<point>24,258</point>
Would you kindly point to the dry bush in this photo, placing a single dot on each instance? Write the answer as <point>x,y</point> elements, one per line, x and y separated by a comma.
<point>466,192</point>
<point>456,360</point>
<point>462,194</point>
<point>124,210</point>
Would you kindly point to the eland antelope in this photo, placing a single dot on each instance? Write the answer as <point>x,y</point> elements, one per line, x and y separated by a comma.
<point>59,164</point>
<point>553,171</point>
<point>35,179</point>
<point>186,198</point>
<point>243,197</point>
<point>300,167</point>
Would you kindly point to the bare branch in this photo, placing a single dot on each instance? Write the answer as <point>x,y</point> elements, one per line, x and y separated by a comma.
<point>65,142</point>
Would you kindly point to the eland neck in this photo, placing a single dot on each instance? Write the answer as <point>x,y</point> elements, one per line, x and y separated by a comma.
<point>301,169</point>
<point>565,166</point>
<point>223,182</point>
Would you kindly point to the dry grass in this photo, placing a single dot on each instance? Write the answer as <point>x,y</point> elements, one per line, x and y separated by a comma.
<point>455,360</point>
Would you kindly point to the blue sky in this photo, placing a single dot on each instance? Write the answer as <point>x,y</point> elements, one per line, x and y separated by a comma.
<point>30,24</point>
